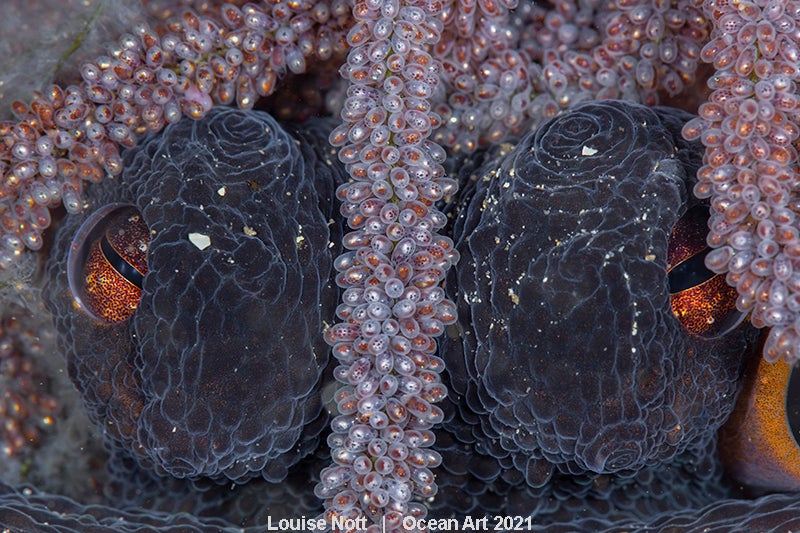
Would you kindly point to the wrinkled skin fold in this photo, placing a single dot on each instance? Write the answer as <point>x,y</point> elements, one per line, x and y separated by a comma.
<point>576,394</point>
<point>569,345</point>
<point>218,372</point>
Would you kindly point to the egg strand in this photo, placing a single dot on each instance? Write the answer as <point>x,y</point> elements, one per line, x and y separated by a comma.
<point>393,306</point>
<point>749,127</point>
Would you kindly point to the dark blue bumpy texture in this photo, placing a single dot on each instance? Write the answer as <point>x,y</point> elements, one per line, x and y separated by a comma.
<point>218,372</point>
<point>576,396</point>
<point>569,358</point>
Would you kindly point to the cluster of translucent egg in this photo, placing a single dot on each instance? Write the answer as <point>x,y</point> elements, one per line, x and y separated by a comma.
<point>498,72</point>
<point>68,136</point>
<point>631,49</point>
<point>485,81</point>
<point>25,408</point>
<point>748,127</point>
<point>507,66</point>
<point>393,306</point>
<point>503,71</point>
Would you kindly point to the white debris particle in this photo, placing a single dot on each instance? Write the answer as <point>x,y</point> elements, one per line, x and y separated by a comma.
<point>513,295</point>
<point>588,150</point>
<point>222,191</point>
<point>201,241</point>
<point>249,231</point>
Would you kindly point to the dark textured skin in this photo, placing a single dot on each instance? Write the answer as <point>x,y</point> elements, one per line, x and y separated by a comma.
<point>218,372</point>
<point>568,351</point>
<point>545,388</point>
<point>591,446</point>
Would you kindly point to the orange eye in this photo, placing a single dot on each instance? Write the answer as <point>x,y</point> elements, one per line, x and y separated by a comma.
<point>759,442</point>
<point>108,261</point>
<point>701,300</point>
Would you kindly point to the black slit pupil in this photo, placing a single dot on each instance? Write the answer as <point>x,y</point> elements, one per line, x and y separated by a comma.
<point>119,264</point>
<point>689,273</point>
<point>793,403</point>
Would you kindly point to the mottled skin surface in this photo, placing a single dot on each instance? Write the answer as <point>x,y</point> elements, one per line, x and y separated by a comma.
<point>218,373</point>
<point>567,370</point>
<point>569,346</point>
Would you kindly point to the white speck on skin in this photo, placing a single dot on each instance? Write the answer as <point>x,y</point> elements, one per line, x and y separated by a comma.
<point>249,231</point>
<point>513,295</point>
<point>588,150</point>
<point>222,191</point>
<point>200,241</point>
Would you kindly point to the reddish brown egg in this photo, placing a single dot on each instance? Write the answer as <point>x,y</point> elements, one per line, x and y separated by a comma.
<point>108,261</point>
<point>701,300</point>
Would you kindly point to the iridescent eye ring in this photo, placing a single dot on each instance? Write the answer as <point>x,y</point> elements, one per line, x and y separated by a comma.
<point>107,263</point>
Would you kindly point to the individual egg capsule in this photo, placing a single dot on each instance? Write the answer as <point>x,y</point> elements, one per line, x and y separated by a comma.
<point>108,261</point>
<point>700,299</point>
